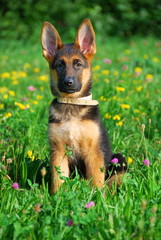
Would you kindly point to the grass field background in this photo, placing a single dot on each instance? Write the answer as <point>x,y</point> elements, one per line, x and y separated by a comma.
<point>127,83</point>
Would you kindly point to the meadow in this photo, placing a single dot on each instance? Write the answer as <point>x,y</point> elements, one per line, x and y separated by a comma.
<point>127,84</point>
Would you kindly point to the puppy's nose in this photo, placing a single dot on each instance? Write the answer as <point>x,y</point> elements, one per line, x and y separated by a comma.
<point>69,81</point>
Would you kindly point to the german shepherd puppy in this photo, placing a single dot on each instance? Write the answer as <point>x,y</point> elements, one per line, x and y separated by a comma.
<point>74,122</point>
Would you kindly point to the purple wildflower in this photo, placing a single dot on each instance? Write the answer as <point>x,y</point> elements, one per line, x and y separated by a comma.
<point>70,223</point>
<point>15,185</point>
<point>146,162</point>
<point>3,168</point>
<point>114,160</point>
<point>90,204</point>
<point>125,67</point>
<point>31,88</point>
<point>24,99</point>
<point>107,61</point>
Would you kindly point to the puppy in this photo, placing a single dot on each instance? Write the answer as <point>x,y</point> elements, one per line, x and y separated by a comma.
<point>76,134</point>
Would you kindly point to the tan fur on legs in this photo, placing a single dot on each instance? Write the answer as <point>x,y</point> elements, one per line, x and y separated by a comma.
<point>115,179</point>
<point>95,168</point>
<point>59,167</point>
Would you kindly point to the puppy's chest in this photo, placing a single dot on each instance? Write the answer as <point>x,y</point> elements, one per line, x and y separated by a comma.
<point>73,131</point>
<point>70,131</point>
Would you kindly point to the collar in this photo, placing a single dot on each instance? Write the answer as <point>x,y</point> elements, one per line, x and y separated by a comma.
<point>78,101</point>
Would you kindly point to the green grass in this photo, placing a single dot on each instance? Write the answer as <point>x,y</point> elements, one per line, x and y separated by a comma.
<point>132,212</point>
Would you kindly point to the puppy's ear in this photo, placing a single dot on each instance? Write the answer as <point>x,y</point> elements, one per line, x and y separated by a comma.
<point>50,40</point>
<point>85,38</point>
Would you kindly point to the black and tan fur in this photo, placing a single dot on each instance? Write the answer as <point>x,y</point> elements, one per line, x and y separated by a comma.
<point>77,127</point>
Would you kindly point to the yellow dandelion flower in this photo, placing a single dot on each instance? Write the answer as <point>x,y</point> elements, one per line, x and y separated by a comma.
<point>102,98</point>
<point>138,69</point>
<point>15,82</point>
<point>43,78</point>
<point>114,98</point>
<point>120,123</point>
<point>139,88</point>
<point>125,106</point>
<point>136,111</point>
<point>105,72</point>
<point>5,96</point>
<point>120,89</point>
<point>12,93</point>
<point>7,115</point>
<point>116,117</point>
<point>5,75</point>
<point>39,97</point>
<point>30,155</point>
<point>18,104</point>
<point>27,65</point>
<point>34,102</point>
<point>3,89</point>
<point>96,68</point>
<point>115,73</point>
<point>107,116</point>
<point>22,106</point>
<point>1,106</point>
<point>129,160</point>
<point>36,70</point>
<point>22,74</point>
<point>155,60</point>
<point>149,77</point>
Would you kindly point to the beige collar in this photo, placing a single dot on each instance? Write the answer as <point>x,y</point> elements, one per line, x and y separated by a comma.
<point>78,101</point>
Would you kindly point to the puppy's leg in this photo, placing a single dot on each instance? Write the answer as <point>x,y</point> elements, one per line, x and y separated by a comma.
<point>95,168</point>
<point>59,167</point>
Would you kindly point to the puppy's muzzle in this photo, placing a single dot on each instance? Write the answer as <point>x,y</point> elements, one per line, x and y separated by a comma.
<point>69,82</point>
<point>69,85</point>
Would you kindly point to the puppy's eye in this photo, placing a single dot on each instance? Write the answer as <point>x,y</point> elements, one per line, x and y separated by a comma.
<point>78,63</point>
<point>60,64</point>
